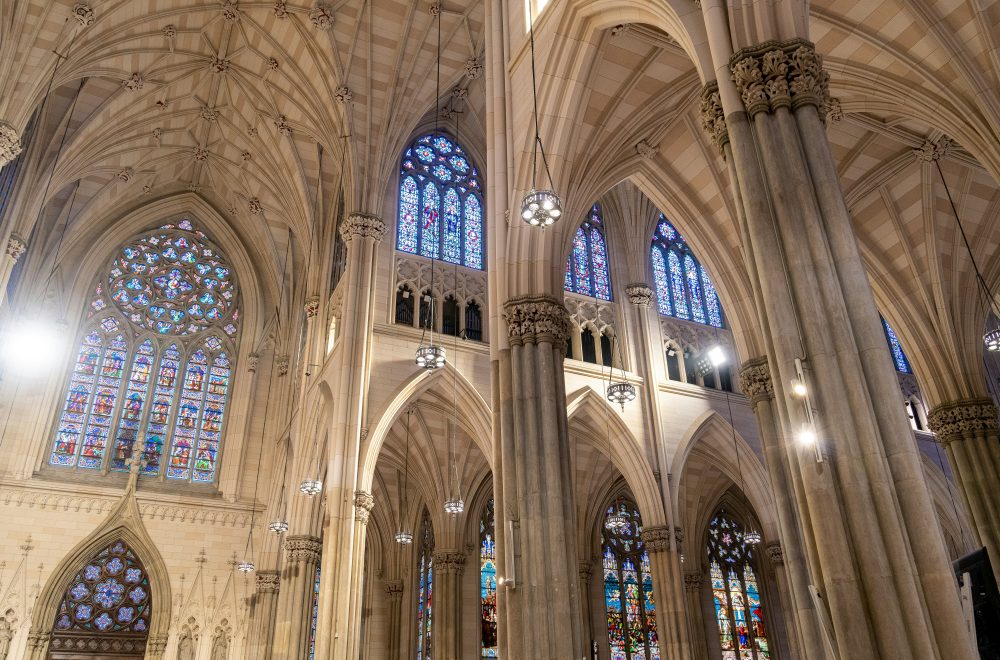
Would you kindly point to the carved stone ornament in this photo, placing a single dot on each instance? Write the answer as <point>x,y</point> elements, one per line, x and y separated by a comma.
<point>282,361</point>
<point>134,82</point>
<point>321,17</point>
<point>963,420</point>
<point>311,307</point>
<point>280,10</point>
<point>646,150</point>
<point>929,151</point>
<point>536,320</point>
<point>755,381</point>
<point>364,502</point>
<point>586,571</point>
<point>394,589</point>
<point>230,13</point>
<point>156,645</point>
<point>713,119</point>
<point>448,561</point>
<point>253,361</point>
<point>284,128</point>
<point>246,156</point>
<point>473,67</point>
<point>219,65</point>
<point>781,74</point>
<point>200,154</point>
<point>435,9</point>
<point>84,14</point>
<point>273,64</point>
<point>169,31</point>
<point>268,581</point>
<point>10,143</point>
<point>639,294</point>
<point>209,114</point>
<point>657,539</point>
<point>147,189</point>
<point>15,247</point>
<point>693,581</point>
<point>303,548</point>
<point>254,206</point>
<point>834,111</point>
<point>775,553</point>
<point>360,225</point>
<point>125,175</point>
<point>343,94</point>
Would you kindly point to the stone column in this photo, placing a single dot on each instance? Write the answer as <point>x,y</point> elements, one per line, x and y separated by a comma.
<point>295,599</point>
<point>364,502</point>
<point>263,608</point>
<point>783,639</point>
<point>537,514</point>
<point>393,595</point>
<point>341,596</point>
<point>10,143</point>
<point>815,304</point>
<point>668,592</point>
<point>586,572</point>
<point>693,581</point>
<point>449,565</point>
<point>38,644</point>
<point>969,431</point>
<point>16,247</point>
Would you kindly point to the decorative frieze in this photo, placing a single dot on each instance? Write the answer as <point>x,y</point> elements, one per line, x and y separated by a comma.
<point>303,548</point>
<point>781,74</point>
<point>268,582</point>
<point>693,581</point>
<point>584,312</point>
<point>449,561</point>
<point>775,554</point>
<point>656,539</point>
<point>16,247</point>
<point>755,380</point>
<point>713,119</point>
<point>10,143</point>
<point>639,294</point>
<point>361,225</point>
<point>694,336</point>
<point>364,502</point>
<point>535,320</point>
<point>961,420</point>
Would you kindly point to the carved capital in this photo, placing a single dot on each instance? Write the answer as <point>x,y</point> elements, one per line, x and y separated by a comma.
<point>16,247</point>
<point>775,553</point>
<point>394,589</point>
<point>311,307</point>
<point>713,119</point>
<point>929,151</point>
<point>963,420</point>
<point>268,582</point>
<point>781,74</point>
<point>449,562</point>
<point>586,570</point>
<point>303,548</point>
<point>283,361</point>
<point>84,15</point>
<point>253,361</point>
<point>657,539</point>
<point>693,581</point>
<point>359,225</point>
<point>639,294</point>
<point>755,380</point>
<point>535,320</point>
<point>364,502</point>
<point>10,143</point>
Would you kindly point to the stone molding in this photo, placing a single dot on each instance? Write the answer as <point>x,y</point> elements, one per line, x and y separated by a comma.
<point>268,582</point>
<point>781,74</point>
<point>16,247</point>
<point>415,272</point>
<point>755,381</point>
<point>364,502</point>
<point>360,225</point>
<point>449,562</point>
<point>536,320</point>
<point>394,589</point>
<point>693,581</point>
<point>713,118</point>
<point>253,361</point>
<point>303,548</point>
<point>639,294</point>
<point>962,420</point>
<point>775,553</point>
<point>656,539</point>
<point>156,645</point>
<point>10,143</point>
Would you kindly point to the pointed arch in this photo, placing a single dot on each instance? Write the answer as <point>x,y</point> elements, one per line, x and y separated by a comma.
<point>587,270</point>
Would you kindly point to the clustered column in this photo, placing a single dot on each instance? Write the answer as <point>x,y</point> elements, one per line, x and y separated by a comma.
<point>295,599</point>
<point>449,565</point>
<point>262,612</point>
<point>698,628</point>
<point>394,597</point>
<point>665,567</point>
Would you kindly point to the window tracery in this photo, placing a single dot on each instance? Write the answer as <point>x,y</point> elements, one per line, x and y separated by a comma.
<point>628,589</point>
<point>425,589</point>
<point>684,289</point>
<point>154,363</point>
<point>587,264</point>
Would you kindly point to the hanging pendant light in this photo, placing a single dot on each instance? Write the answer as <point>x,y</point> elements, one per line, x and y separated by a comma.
<point>311,487</point>
<point>752,537</point>
<point>280,523</point>
<point>617,521</point>
<point>403,534</point>
<point>278,526</point>
<point>622,391</point>
<point>541,207</point>
<point>245,566</point>
<point>431,356</point>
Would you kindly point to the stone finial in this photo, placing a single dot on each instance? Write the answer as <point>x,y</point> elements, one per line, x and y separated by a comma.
<point>646,150</point>
<point>321,16</point>
<point>343,94</point>
<point>16,247</point>
<point>781,74</point>
<point>536,319</point>
<point>361,225</point>
<point>134,82</point>
<point>394,589</point>
<point>657,539</point>
<point>254,206</point>
<point>929,151</point>
<point>775,553</point>
<point>693,581</point>
<point>755,381</point>
<point>280,9</point>
<point>311,307</point>
<point>364,502</point>
<point>84,14</point>
<point>639,294</point>
<point>253,361</point>
<point>713,118</point>
<point>268,581</point>
<point>473,67</point>
<point>303,548</point>
<point>282,361</point>
<point>962,420</point>
<point>449,561</point>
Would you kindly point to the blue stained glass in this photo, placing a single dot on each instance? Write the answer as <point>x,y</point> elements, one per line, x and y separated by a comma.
<point>81,386</point>
<point>443,145</point>
<point>109,377</point>
<point>430,221</point>
<point>314,618</point>
<point>896,349</point>
<point>79,591</point>
<point>109,593</point>
<point>473,232</point>
<point>684,289</point>
<point>211,423</point>
<point>163,396</point>
<point>738,608</point>
<point>581,264</point>
<point>694,289</point>
<point>128,424</point>
<point>452,227</point>
<point>98,600</point>
<point>587,267</point>
<point>103,622</point>
<point>425,154</point>
<point>711,301</point>
<point>599,255</point>
<point>488,581</point>
<point>628,590</point>
<point>425,590</point>
<point>84,612</point>
<point>188,416</point>
<point>660,279</point>
<point>568,280</point>
<point>114,566</point>
<point>677,288</point>
<point>92,572</point>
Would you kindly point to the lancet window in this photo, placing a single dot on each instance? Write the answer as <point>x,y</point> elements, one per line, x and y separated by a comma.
<point>683,288</point>
<point>425,589</point>
<point>587,264</point>
<point>488,580</point>
<point>628,588</point>
<point>154,362</point>
<point>896,349</point>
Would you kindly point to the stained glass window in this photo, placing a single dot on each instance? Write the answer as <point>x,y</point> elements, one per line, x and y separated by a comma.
<point>153,365</point>
<point>425,589</point>
<point>314,616</point>
<point>683,288</point>
<point>896,349</point>
<point>110,595</point>
<point>628,589</point>
<point>488,581</point>
<point>440,203</point>
<point>587,264</point>
<point>736,595</point>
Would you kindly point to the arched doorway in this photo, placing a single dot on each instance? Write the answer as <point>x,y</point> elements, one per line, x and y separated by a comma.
<point>105,610</point>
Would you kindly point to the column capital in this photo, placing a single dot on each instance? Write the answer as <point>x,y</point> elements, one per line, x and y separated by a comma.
<point>364,502</point>
<point>781,74</point>
<point>657,539</point>
<point>586,570</point>
<point>268,581</point>
<point>253,361</point>
<point>639,294</point>
<point>536,319</point>
<point>10,143</point>
<point>775,553</point>
<point>283,363</point>
<point>959,420</point>
<point>713,118</point>
<point>16,247</point>
<point>394,589</point>
<point>303,548</point>
<point>449,561</point>
<point>311,307</point>
<point>362,225</point>
<point>156,645</point>
<point>755,380</point>
<point>693,580</point>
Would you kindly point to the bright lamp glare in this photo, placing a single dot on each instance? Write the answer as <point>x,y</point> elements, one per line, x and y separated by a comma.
<point>799,388</point>
<point>807,436</point>
<point>717,356</point>
<point>30,345</point>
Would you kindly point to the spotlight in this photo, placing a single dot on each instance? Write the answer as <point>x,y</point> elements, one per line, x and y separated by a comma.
<point>807,436</point>
<point>799,388</point>
<point>716,356</point>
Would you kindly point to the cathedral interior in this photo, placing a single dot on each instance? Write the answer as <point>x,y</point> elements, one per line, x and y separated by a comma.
<point>522,329</point>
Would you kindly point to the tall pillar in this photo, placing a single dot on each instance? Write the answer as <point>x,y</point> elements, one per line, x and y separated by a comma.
<point>803,625</point>
<point>295,599</point>
<point>876,552</point>
<point>537,515</point>
<point>341,594</point>
<point>969,431</point>
<point>262,612</point>
<point>693,581</point>
<point>586,573</point>
<point>668,590</point>
<point>787,641</point>
<point>449,565</point>
<point>393,596</point>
